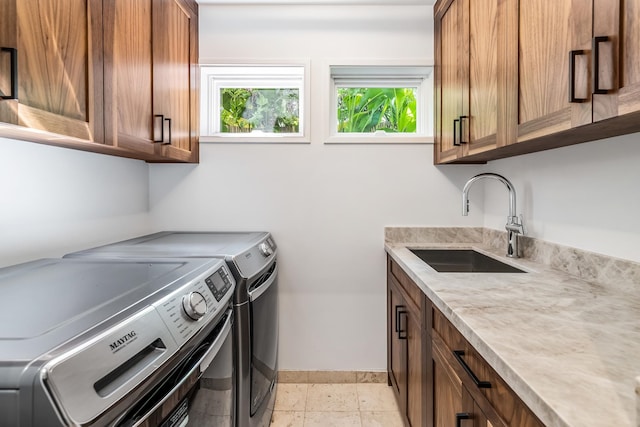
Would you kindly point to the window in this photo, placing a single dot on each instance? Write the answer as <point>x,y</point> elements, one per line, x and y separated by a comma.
<point>380,104</point>
<point>253,103</point>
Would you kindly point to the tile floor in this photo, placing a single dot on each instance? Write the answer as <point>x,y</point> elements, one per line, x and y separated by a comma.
<point>335,405</point>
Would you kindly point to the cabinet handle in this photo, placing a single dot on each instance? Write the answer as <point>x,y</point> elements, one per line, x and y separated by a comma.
<point>455,142</point>
<point>398,308</point>
<point>14,72</point>
<point>572,76</point>
<point>462,118</point>
<point>169,122</point>
<point>596,65</point>
<point>480,384</point>
<point>161,117</point>
<point>402,333</point>
<point>462,416</point>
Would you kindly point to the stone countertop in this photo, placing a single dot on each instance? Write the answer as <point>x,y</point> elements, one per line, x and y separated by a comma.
<point>569,348</point>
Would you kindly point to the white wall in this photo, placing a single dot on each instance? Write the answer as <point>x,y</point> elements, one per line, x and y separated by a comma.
<point>585,196</point>
<point>56,200</point>
<point>327,205</point>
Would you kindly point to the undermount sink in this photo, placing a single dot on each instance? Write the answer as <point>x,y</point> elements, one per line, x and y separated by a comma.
<point>462,261</point>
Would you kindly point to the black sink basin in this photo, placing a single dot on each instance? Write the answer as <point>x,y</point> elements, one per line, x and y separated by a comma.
<point>462,261</point>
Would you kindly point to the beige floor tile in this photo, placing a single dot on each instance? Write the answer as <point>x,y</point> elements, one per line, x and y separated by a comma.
<point>287,419</point>
<point>291,397</point>
<point>376,397</point>
<point>381,419</point>
<point>332,419</point>
<point>332,397</point>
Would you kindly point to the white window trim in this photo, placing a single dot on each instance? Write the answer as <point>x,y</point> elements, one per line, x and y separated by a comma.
<point>250,138</point>
<point>423,136</point>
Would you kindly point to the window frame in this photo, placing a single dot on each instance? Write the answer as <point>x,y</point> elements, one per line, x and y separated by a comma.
<point>210,102</point>
<point>377,73</point>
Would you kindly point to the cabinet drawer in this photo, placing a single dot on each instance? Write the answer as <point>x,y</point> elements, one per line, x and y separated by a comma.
<point>499,395</point>
<point>408,286</point>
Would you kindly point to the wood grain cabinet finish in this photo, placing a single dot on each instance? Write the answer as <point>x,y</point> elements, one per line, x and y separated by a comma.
<point>438,378</point>
<point>467,46</point>
<point>96,75</point>
<point>53,49</point>
<point>566,72</point>
<point>407,347</point>
<point>150,77</point>
<point>484,396</point>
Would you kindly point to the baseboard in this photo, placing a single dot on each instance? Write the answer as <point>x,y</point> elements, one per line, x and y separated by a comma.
<point>331,377</point>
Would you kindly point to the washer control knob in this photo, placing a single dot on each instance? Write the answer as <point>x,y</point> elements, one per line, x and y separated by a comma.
<point>265,249</point>
<point>194,305</point>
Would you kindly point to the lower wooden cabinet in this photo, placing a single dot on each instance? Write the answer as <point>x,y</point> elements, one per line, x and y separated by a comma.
<point>406,349</point>
<point>438,377</point>
<point>474,393</point>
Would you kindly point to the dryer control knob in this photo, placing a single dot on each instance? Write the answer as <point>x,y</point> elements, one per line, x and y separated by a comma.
<point>265,249</point>
<point>194,305</point>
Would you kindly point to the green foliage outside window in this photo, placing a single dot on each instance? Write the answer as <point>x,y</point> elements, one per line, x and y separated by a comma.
<point>377,109</point>
<point>267,110</point>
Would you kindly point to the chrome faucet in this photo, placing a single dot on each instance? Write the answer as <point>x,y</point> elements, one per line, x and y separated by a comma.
<point>514,224</point>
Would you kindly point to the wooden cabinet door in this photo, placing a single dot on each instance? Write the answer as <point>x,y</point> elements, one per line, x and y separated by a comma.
<point>397,353</point>
<point>617,23</point>
<point>175,82</point>
<point>128,74</point>
<point>150,74</point>
<point>467,46</point>
<point>59,66</point>
<point>480,105</point>
<point>447,392</point>
<point>548,31</point>
<point>451,44</point>
<point>416,408</point>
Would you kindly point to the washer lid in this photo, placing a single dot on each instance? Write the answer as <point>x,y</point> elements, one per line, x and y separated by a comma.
<point>48,302</point>
<point>249,252</point>
<point>185,244</point>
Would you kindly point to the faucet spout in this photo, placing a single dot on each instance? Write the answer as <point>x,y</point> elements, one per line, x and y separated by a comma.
<point>513,226</point>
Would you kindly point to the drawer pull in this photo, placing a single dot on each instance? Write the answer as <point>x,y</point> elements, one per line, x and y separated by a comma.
<point>402,333</point>
<point>480,384</point>
<point>400,310</point>
<point>572,76</point>
<point>462,416</point>
<point>460,128</point>
<point>455,129</point>
<point>596,65</point>
<point>159,129</point>
<point>14,72</point>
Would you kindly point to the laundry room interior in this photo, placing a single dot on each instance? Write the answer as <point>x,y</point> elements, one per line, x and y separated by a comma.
<point>341,214</point>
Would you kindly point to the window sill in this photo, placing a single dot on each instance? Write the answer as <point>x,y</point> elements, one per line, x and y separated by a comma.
<point>248,139</point>
<point>379,139</point>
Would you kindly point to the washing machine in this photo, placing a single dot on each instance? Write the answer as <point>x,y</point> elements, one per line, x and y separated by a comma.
<point>251,258</point>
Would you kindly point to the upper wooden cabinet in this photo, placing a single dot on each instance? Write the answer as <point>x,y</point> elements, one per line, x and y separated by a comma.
<point>110,76</point>
<point>566,72</point>
<point>467,77</point>
<point>150,77</point>
<point>50,69</point>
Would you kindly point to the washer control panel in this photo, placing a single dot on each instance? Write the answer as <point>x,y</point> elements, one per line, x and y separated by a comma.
<point>186,310</point>
<point>219,283</point>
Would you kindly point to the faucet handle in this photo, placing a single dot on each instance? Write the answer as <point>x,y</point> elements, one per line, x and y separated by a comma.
<point>515,224</point>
